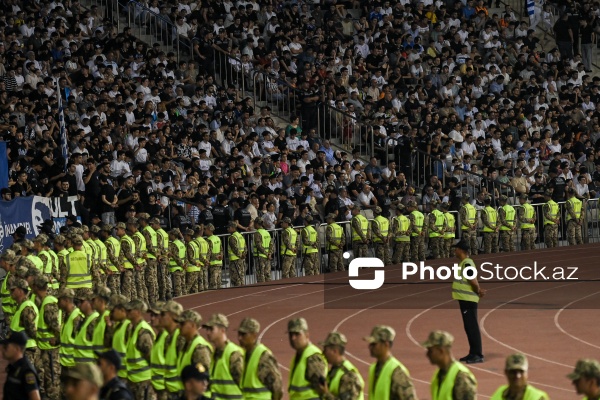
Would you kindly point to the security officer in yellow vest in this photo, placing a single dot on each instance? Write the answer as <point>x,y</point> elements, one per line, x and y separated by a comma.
<point>336,239</point>
<point>139,274</point>
<point>575,216</point>
<point>152,252</point>
<point>113,259</point>
<point>84,341</point>
<point>50,270</point>
<point>237,256</point>
<point>489,219</point>
<point>586,378</point>
<point>452,380</point>
<point>48,339</point>
<point>449,231</point>
<point>78,269</point>
<point>310,246</point>
<point>177,262</point>
<point>28,251</point>
<point>101,300</point>
<point>263,251</point>
<point>216,257</point>
<point>527,217</point>
<point>468,219</point>
<point>289,248</point>
<point>437,228</point>
<point>417,232</point>
<point>518,388</point>
<point>343,379</point>
<point>380,232</point>
<point>388,377</point>
<point>7,262</point>
<point>361,233</point>
<point>262,377</point>
<point>196,349</point>
<point>507,223</point>
<point>468,293</point>
<point>25,318</point>
<point>173,345</point>
<point>195,380</point>
<point>139,347</point>
<point>101,254</point>
<point>192,271</point>
<point>551,212</point>
<point>401,234</point>
<point>162,254</point>
<point>308,367</point>
<point>227,367</point>
<point>68,331</point>
<point>205,256</point>
<point>118,330</point>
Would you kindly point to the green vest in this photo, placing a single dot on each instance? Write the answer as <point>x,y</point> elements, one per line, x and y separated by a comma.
<point>172,378</point>
<point>419,221</point>
<point>84,348</point>
<point>553,212</point>
<point>471,216</point>
<point>266,242</point>
<point>185,358</point>
<point>313,236</point>
<point>576,206</point>
<point>381,388</point>
<point>8,303</point>
<point>202,249</point>
<point>299,388</point>
<point>450,226</point>
<point>439,223</point>
<point>492,217</point>
<point>336,236</point>
<point>54,284</point>
<point>79,269</point>
<point>102,253</point>
<point>36,261</point>
<point>531,393</point>
<point>364,227</point>
<point>43,333</point>
<point>252,387</point>
<point>222,384</point>
<point>126,263</point>
<point>117,249</point>
<point>173,266</point>
<point>153,240</point>
<point>444,392</point>
<point>162,240</point>
<point>67,341</point>
<point>241,246</point>
<point>384,227</point>
<point>138,369</point>
<point>119,343</point>
<point>99,330</point>
<point>15,322</point>
<point>403,225</point>
<point>195,255</point>
<point>142,248</point>
<point>95,250</point>
<point>528,214</point>
<point>46,266</point>
<point>509,217</point>
<point>293,239</point>
<point>157,361</point>
<point>461,288</point>
<point>216,249</point>
<point>334,382</point>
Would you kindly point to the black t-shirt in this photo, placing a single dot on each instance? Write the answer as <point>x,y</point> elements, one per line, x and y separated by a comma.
<point>558,184</point>
<point>537,189</point>
<point>145,188</point>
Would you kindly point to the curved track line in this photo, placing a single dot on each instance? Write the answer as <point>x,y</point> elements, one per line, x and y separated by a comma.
<point>557,323</point>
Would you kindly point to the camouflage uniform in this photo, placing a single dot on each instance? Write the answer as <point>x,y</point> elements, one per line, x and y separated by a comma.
<point>192,278</point>
<point>310,262</point>
<point>336,259</point>
<point>113,279</point>
<point>178,277</point>
<point>417,243</point>
<point>359,247</point>
<point>527,235</point>
<point>550,230</point>
<point>381,248</point>
<point>28,321</point>
<point>205,261</point>
<point>202,354</point>
<point>490,239</point>
<point>436,243</point>
<point>507,238</point>
<point>128,286</point>
<point>237,268</point>
<point>151,277</point>
<point>139,272</point>
<point>288,262</point>
<point>214,271</point>
<point>316,365</point>
<point>143,390</point>
<point>263,265</point>
<point>49,361</point>
<point>574,225</point>
<point>350,386</point>
<point>469,235</point>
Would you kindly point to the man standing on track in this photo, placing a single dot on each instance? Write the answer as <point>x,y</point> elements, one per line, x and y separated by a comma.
<point>308,367</point>
<point>343,380</point>
<point>586,378</point>
<point>551,213</point>
<point>468,292</point>
<point>468,216</point>
<point>452,380</point>
<point>527,218</point>
<point>517,388</point>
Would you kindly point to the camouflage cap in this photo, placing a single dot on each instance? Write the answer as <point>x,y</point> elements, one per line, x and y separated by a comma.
<point>330,216</point>
<point>524,196</point>
<point>144,216</point>
<point>334,339</point>
<point>232,225</point>
<point>192,316</point>
<point>85,296</point>
<point>85,228</point>
<point>400,207</point>
<point>466,197</point>
<point>411,203</point>
<point>103,291</point>
<point>60,239</point>
<point>28,244</point>
<point>287,220</point>
<point>503,197</point>
<point>516,361</point>
<point>95,229</point>
<point>19,283</point>
<point>175,232</point>
<point>42,239</point>
<point>157,307</point>
<point>77,231</point>
<point>188,232</point>
<point>210,227</point>
<point>65,293</point>
<point>40,282</point>
<point>154,220</point>
<point>217,320</point>
<point>434,203</point>
<point>108,228</point>
<point>548,193</point>
<point>249,325</point>
<point>258,221</point>
<point>77,239</point>
<point>21,270</point>
<point>377,210</point>
<point>587,368</point>
<point>381,333</point>
<point>297,325</point>
<point>118,300</point>
<point>86,372</point>
<point>132,221</point>
<point>174,308</point>
<point>8,256</point>
<point>121,225</point>
<point>33,271</point>
<point>137,304</point>
<point>445,206</point>
<point>440,339</point>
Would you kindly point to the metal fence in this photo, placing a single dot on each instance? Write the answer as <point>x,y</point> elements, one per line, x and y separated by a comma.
<point>347,131</point>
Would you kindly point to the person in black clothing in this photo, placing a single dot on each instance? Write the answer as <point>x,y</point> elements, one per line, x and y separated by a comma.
<point>195,382</point>
<point>564,37</point>
<point>241,216</point>
<point>144,187</point>
<point>205,217</point>
<point>22,381</point>
<point>114,388</point>
<point>221,214</point>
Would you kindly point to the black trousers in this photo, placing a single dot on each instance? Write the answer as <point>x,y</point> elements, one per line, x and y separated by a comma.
<point>468,310</point>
